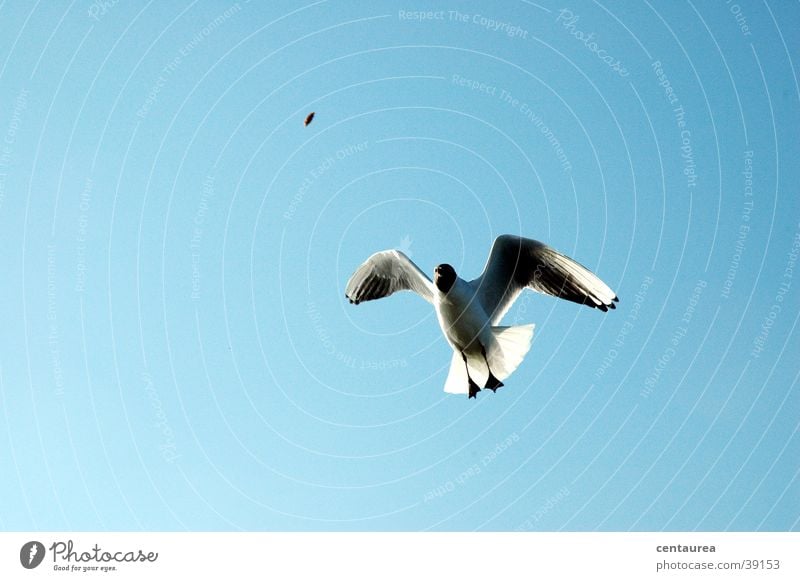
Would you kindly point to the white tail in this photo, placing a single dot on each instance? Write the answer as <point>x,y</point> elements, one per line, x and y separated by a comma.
<point>457,377</point>
<point>511,344</point>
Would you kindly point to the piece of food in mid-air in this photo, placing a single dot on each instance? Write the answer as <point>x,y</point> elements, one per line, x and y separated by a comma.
<point>309,119</point>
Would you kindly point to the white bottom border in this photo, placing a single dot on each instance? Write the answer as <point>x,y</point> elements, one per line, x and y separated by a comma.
<point>377,556</point>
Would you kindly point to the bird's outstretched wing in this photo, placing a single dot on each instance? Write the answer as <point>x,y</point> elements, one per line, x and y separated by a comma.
<point>516,263</point>
<point>385,273</point>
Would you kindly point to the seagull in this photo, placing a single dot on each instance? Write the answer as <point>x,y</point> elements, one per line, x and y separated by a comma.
<point>469,312</point>
<point>309,119</point>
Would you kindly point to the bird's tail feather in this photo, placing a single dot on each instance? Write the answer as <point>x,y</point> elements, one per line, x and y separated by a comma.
<point>511,346</point>
<point>457,377</point>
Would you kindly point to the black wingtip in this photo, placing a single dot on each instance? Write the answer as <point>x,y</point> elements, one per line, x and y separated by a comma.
<point>615,299</point>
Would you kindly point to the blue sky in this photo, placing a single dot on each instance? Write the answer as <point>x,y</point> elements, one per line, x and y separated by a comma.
<point>177,350</point>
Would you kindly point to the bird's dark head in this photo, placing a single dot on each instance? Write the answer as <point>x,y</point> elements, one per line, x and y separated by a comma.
<point>444,277</point>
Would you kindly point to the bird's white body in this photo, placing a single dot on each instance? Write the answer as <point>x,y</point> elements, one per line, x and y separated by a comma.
<point>461,316</point>
<point>469,312</point>
<point>477,345</point>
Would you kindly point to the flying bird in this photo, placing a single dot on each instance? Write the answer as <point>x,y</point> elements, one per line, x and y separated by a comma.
<point>309,119</point>
<point>469,312</point>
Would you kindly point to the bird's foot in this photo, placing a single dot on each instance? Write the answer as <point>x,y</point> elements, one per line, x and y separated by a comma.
<point>473,388</point>
<point>493,383</point>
